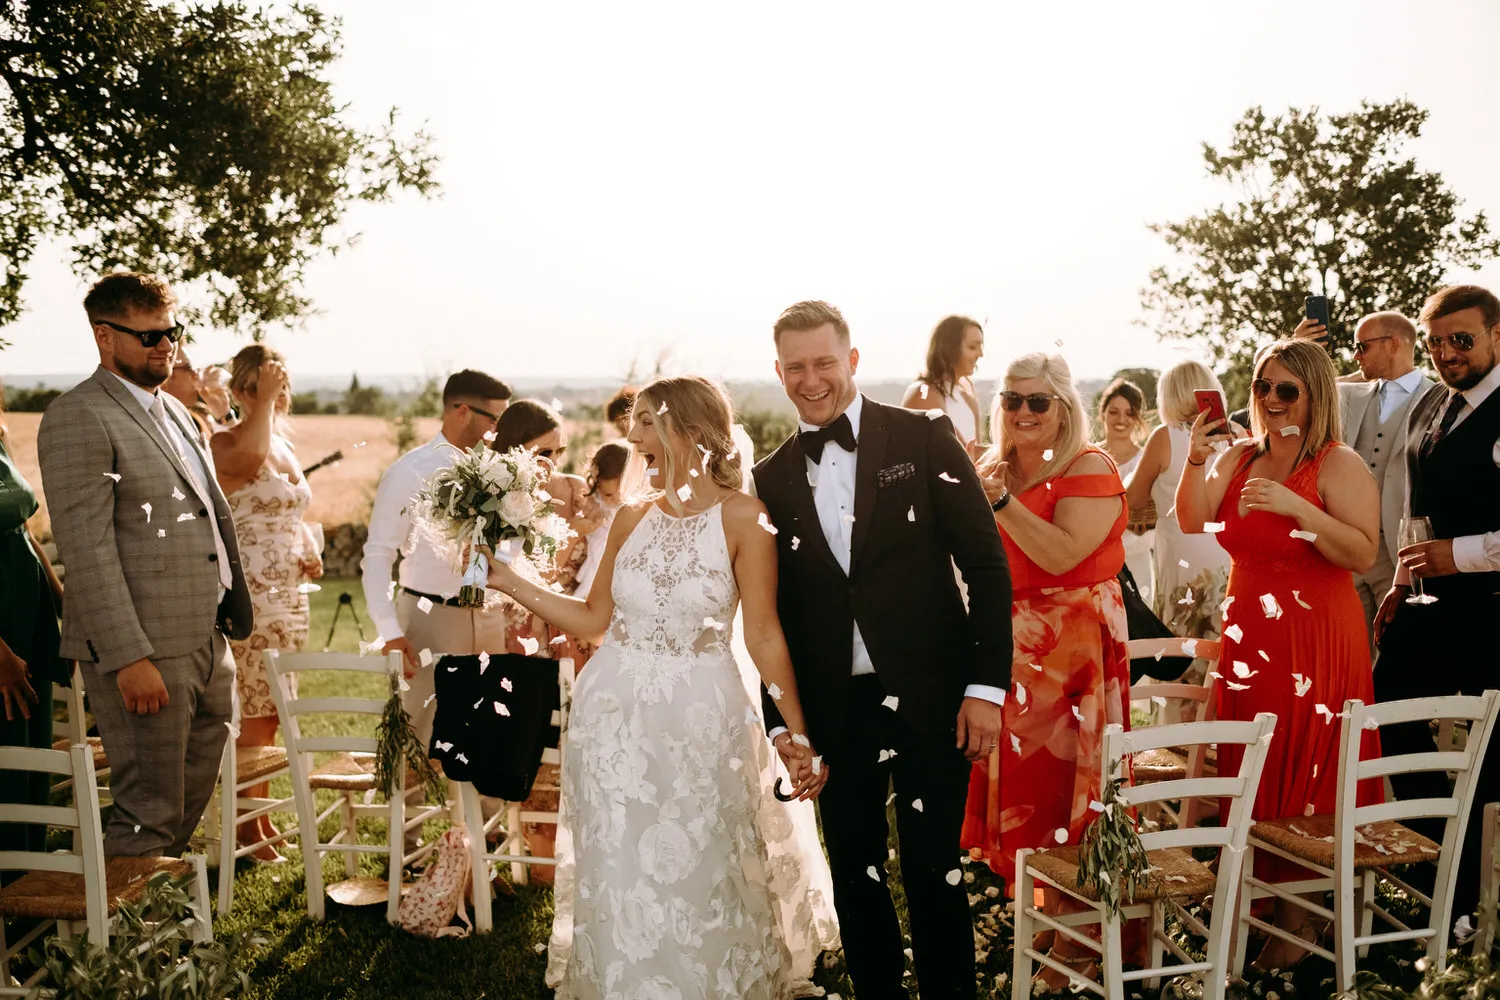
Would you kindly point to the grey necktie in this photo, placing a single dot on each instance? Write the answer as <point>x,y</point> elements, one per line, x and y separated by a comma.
<point>194,472</point>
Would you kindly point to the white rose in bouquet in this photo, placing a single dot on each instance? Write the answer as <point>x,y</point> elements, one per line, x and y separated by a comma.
<point>517,509</point>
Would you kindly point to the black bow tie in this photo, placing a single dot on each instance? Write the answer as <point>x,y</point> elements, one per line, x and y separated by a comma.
<point>840,432</point>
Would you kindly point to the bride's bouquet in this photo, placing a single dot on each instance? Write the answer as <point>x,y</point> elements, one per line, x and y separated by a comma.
<point>488,500</point>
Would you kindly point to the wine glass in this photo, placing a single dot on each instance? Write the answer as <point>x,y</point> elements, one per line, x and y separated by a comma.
<point>312,542</point>
<point>1414,531</point>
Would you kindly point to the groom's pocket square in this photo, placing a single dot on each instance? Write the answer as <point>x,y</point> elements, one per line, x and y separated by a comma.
<point>891,475</point>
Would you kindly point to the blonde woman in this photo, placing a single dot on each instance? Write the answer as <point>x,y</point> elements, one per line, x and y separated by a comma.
<point>268,495</point>
<point>1299,514</point>
<point>1191,570</point>
<point>666,812</point>
<point>1060,508</point>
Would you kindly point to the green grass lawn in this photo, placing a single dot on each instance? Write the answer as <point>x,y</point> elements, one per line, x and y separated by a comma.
<point>354,953</point>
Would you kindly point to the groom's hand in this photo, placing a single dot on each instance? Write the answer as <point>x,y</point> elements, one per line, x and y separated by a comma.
<point>798,761</point>
<point>979,724</point>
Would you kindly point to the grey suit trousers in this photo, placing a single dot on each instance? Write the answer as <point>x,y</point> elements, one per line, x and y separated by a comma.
<point>163,767</point>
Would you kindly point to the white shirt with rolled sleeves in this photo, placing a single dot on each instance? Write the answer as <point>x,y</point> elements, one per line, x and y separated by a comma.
<point>423,569</point>
<point>832,481</point>
<point>1473,553</point>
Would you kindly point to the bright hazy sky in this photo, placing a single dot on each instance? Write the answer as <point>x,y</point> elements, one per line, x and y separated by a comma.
<point>620,179</point>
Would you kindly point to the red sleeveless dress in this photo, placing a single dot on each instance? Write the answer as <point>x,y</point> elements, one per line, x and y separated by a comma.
<point>1071,661</point>
<point>1297,613</point>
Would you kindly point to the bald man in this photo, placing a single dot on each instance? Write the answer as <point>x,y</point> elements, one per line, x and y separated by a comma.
<point>1374,414</point>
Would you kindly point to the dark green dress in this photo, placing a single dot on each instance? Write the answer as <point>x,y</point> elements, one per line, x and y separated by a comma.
<point>28,624</point>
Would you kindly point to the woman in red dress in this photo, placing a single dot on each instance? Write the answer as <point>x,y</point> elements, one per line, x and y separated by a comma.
<point>1061,513</point>
<point>1299,514</point>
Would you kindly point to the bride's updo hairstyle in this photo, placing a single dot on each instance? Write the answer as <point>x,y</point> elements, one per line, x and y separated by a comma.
<point>700,411</point>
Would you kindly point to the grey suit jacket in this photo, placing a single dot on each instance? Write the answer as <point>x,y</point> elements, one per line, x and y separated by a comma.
<point>1355,400</point>
<point>138,586</point>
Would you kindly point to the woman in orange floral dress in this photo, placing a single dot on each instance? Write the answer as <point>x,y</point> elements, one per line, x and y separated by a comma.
<point>1061,513</point>
<point>268,494</point>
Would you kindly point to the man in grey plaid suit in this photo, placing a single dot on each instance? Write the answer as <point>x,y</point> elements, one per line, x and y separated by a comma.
<point>154,580</point>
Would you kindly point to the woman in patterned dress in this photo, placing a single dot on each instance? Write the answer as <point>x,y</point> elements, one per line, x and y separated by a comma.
<point>268,495</point>
<point>1061,514</point>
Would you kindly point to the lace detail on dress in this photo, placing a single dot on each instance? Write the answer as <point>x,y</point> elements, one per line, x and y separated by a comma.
<point>665,887</point>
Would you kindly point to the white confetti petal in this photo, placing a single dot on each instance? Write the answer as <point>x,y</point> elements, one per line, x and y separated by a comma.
<point>801,740</point>
<point>1077,713</point>
<point>817,765</point>
<point>1262,654</point>
<point>1190,647</point>
<point>479,702</point>
<point>1060,835</point>
<point>147,508</point>
<point>424,605</point>
<point>1296,596</point>
<point>529,645</point>
<point>661,409</point>
<point>1183,563</point>
<point>430,699</point>
<point>558,640</point>
<point>946,478</point>
<point>161,532</point>
<point>911,513</point>
<point>425,658</point>
<point>873,873</point>
<point>462,757</point>
<point>1234,632</point>
<point>1324,711</point>
<point>505,682</point>
<point>177,494</point>
<point>916,804</point>
<point>796,543</point>
<point>1020,693</point>
<point>1306,536</point>
<point>935,414</point>
<point>1270,605</point>
<point>1292,431</point>
<point>501,709</point>
<point>954,877</point>
<point>308,588</point>
<point>885,755</point>
<point>488,436</point>
<point>1242,670</point>
<point>484,662</point>
<point>1015,743</point>
<point>1236,687</point>
<point>765,522</point>
<point>684,492</point>
<point>1371,725</point>
<point>1047,455</point>
<point>113,475</point>
<point>890,701</point>
<point>774,690</point>
<point>1213,527</point>
<point>185,516</point>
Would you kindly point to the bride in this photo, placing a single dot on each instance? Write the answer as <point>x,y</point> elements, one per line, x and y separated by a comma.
<point>666,888</point>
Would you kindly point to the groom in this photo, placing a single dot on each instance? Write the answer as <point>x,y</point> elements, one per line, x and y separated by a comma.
<point>873,506</point>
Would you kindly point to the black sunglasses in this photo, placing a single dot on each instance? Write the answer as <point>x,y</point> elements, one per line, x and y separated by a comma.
<point>1037,402</point>
<point>1460,341</point>
<point>1361,346</point>
<point>494,417</point>
<point>148,338</point>
<point>1286,392</point>
<point>550,452</point>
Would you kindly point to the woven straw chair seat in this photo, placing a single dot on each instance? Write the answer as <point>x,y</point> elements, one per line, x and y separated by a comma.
<point>1158,765</point>
<point>59,895</point>
<point>1376,845</point>
<point>96,745</point>
<point>1177,874</point>
<point>345,772</point>
<point>257,762</point>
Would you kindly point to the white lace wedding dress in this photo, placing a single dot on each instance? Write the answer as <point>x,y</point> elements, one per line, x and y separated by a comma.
<point>678,874</point>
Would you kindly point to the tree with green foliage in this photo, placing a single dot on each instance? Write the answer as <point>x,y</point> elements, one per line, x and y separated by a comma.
<point>1326,205</point>
<point>201,141</point>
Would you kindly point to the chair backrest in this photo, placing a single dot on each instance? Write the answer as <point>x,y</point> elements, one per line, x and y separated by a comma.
<point>1239,788</point>
<point>81,817</point>
<point>74,725</point>
<point>1200,649</point>
<point>292,711</point>
<point>1196,701</point>
<point>1477,710</point>
<point>566,674</point>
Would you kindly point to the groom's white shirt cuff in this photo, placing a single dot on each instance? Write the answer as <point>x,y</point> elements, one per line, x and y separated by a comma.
<point>985,691</point>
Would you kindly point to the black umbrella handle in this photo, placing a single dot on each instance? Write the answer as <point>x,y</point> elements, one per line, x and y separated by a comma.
<point>780,795</point>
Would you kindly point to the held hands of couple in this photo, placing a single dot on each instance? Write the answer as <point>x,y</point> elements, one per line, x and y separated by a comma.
<point>141,686</point>
<point>799,764</point>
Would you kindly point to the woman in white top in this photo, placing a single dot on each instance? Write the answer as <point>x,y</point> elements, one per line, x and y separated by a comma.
<point>953,353</point>
<point>1191,570</point>
<point>1120,407</point>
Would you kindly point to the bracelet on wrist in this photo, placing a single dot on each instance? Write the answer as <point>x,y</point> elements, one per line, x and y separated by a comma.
<point>1191,462</point>
<point>1000,503</point>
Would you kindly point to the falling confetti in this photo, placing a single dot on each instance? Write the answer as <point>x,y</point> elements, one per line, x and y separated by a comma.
<point>177,494</point>
<point>185,516</point>
<point>714,624</point>
<point>529,645</point>
<point>1060,835</point>
<point>870,871</point>
<point>558,640</point>
<point>1262,654</point>
<point>817,765</point>
<point>430,699</point>
<point>890,701</point>
<point>1237,687</point>
<point>796,543</point>
<point>954,877</point>
<point>1297,596</point>
<point>1306,536</point>
<point>847,518</point>
<point>1371,724</point>
<point>1270,605</point>
<point>922,390</point>
<point>885,755</point>
<point>1292,431</point>
<point>484,662</point>
<point>684,492</point>
<point>1077,713</point>
<point>946,478</point>
<point>147,508</point>
<point>489,437</point>
<point>1015,743</point>
<point>113,475</point>
<point>424,605</point>
<point>308,588</point>
<point>1234,633</point>
<point>911,513</point>
<point>662,408</point>
<point>1324,711</point>
<point>161,532</point>
<point>1020,693</point>
<point>935,414</point>
<point>501,709</point>
<point>1183,563</point>
<point>506,684</point>
<point>1187,597</point>
<point>765,522</point>
<point>774,690</point>
<point>1047,455</point>
<point>425,658</point>
<point>1242,670</point>
<point>1213,527</point>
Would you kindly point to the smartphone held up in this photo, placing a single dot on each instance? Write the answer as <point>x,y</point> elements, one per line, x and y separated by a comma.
<point>1211,403</point>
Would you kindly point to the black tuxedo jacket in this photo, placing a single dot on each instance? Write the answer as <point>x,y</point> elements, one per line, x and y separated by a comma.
<point>910,527</point>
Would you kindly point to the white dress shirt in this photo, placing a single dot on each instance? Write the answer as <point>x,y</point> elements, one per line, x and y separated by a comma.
<point>423,569</point>
<point>1479,553</point>
<point>199,467</point>
<point>832,481</point>
<point>1394,392</point>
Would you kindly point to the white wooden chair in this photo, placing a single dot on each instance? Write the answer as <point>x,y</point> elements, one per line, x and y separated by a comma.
<point>512,847</point>
<point>241,768</point>
<point>1354,848</point>
<point>74,728</point>
<point>1489,882</point>
<point>349,772</point>
<point>81,889</point>
<point>1171,702</point>
<point>1179,877</point>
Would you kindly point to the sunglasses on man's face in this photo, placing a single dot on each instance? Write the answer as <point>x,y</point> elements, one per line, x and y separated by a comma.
<point>1037,402</point>
<point>1286,392</point>
<point>493,418</point>
<point>1361,346</point>
<point>1459,341</point>
<point>148,338</point>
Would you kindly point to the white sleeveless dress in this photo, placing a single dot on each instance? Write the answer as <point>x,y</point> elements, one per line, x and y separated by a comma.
<point>666,888</point>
